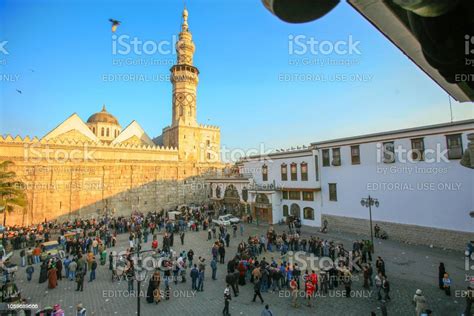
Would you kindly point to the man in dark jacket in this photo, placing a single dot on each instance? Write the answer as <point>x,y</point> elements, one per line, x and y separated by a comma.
<point>221,252</point>
<point>256,290</point>
<point>194,277</point>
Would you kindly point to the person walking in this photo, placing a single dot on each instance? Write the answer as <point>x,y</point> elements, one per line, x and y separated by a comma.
<point>441,272</point>
<point>420,302</point>
<point>153,287</point>
<point>294,292</point>
<point>200,286</point>
<point>181,236</point>
<point>194,276</point>
<point>52,277</point>
<point>190,256</point>
<point>256,289</point>
<point>93,268</point>
<point>309,289</point>
<point>59,269</point>
<point>366,277</point>
<point>378,285</point>
<point>266,311</point>
<point>72,270</point>
<point>66,264</point>
<point>370,271</point>
<point>214,268</point>
<point>221,251</point>
<point>227,299</point>
<point>22,258</point>
<point>80,280</point>
<point>29,272</point>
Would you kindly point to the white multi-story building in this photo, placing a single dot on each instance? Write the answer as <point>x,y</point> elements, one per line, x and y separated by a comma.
<point>415,174</point>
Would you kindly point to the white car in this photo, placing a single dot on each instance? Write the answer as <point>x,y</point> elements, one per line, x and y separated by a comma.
<point>226,220</point>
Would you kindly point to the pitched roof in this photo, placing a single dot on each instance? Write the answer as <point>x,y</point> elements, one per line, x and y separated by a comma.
<point>72,123</point>
<point>133,129</point>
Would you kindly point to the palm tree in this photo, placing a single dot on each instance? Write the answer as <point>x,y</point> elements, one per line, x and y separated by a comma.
<point>12,193</point>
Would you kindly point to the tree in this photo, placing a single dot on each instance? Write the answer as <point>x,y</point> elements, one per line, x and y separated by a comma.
<point>12,192</point>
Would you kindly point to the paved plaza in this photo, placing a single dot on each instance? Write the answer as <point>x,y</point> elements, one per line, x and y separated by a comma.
<point>409,267</point>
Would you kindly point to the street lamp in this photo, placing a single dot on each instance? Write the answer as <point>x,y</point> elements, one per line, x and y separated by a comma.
<point>369,202</point>
<point>140,275</point>
<point>139,270</point>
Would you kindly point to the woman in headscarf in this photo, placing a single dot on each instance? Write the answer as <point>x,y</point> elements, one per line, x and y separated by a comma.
<point>420,302</point>
<point>43,272</point>
<point>57,310</point>
<point>153,291</point>
<point>441,272</point>
<point>52,276</point>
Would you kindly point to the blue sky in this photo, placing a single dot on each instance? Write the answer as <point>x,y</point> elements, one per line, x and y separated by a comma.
<point>59,52</point>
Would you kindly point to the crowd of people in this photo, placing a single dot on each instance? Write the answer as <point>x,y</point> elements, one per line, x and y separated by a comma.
<point>266,262</point>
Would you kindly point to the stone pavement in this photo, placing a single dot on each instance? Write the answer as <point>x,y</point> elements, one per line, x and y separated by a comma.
<point>408,267</point>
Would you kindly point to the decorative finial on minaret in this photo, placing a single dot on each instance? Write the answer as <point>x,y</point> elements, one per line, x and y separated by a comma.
<point>184,27</point>
<point>103,108</point>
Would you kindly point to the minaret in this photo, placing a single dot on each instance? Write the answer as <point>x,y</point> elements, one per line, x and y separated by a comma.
<point>184,77</point>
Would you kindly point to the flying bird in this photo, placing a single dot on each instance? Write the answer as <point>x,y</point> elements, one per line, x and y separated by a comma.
<point>115,24</point>
<point>19,91</point>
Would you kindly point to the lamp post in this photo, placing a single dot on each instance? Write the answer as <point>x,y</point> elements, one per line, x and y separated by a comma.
<point>369,202</point>
<point>139,271</point>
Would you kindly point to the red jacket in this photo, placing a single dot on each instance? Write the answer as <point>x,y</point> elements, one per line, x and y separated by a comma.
<point>314,278</point>
<point>309,288</point>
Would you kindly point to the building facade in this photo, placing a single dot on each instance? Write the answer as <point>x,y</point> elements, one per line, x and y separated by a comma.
<point>425,194</point>
<point>95,167</point>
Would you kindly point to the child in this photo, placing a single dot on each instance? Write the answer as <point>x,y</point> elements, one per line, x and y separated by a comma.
<point>29,272</point>
<point>447,284</point>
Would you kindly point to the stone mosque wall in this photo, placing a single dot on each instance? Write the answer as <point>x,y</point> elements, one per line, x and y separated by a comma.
<point>69,180</point>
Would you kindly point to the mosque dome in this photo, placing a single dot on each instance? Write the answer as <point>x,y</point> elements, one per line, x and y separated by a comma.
<point>103,117</point>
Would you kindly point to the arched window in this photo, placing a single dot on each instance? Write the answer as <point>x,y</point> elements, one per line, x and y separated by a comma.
<point>295,210</point>
<point>304,171</point>
<point>265,173</point>
<point>285,210</point>
<point>284,172</point>
<point>93,130</point>
<point>308,213</point>
<point>293,170</point>
<point>218,192</point>
<point>108,132</point>
<point>102,131</point>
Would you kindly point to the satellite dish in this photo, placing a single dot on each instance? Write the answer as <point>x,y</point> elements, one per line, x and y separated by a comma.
<point>300,11</point>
